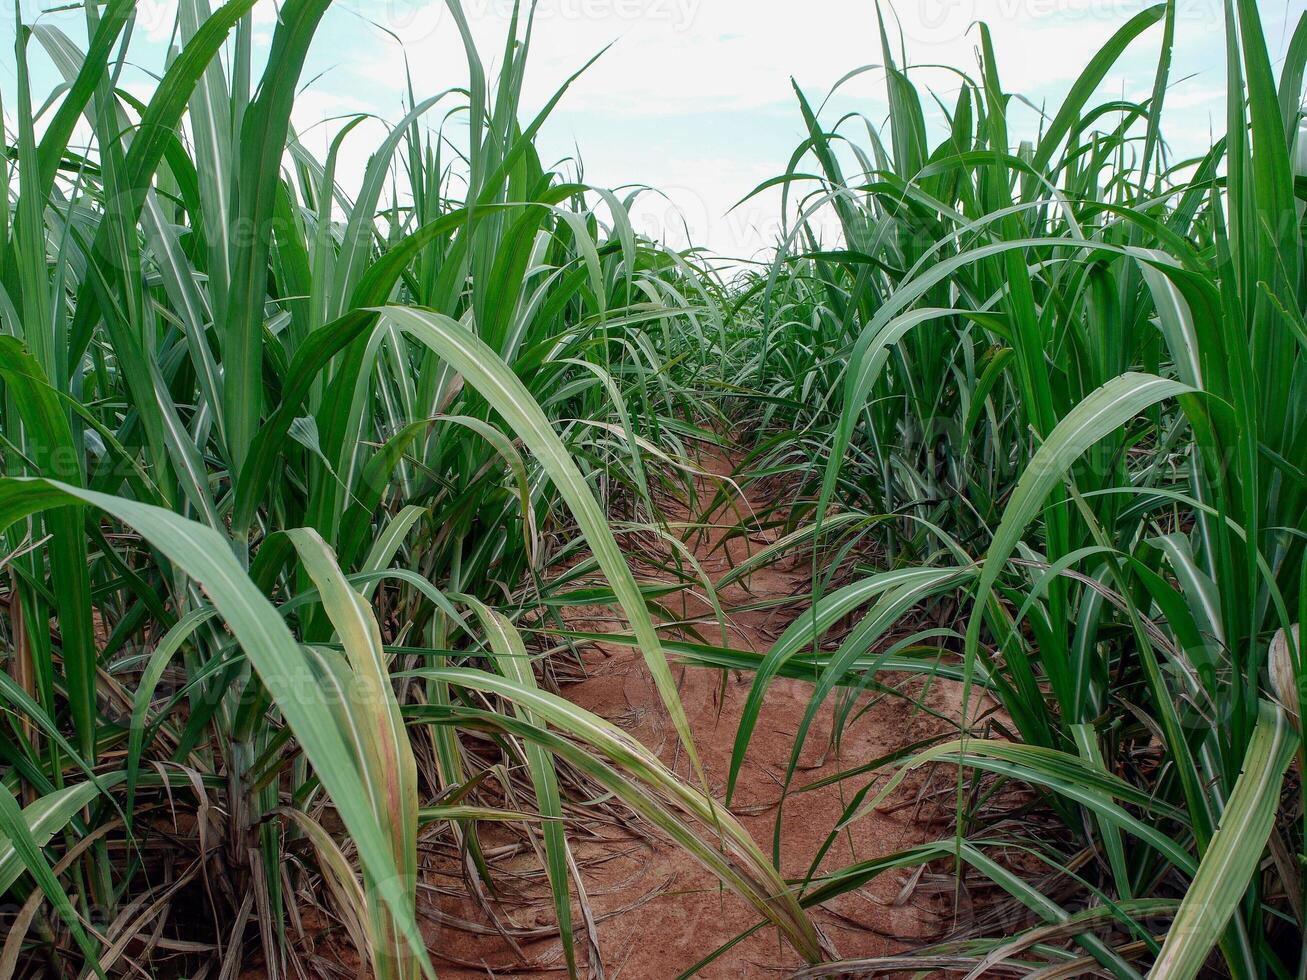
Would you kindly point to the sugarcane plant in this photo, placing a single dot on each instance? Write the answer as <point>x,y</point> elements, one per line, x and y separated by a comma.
<point>1057,385</point>
<point>285,465</point>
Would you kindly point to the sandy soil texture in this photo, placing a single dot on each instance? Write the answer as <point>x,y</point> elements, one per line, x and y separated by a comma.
<point>657,912</point>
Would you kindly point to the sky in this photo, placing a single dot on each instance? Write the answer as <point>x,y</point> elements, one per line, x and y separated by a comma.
<point>695,97</point>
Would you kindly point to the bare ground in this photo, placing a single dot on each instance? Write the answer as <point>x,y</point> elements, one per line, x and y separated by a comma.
<point>657,912</point>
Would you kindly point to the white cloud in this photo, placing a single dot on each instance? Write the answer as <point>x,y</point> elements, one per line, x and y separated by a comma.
<point>676,56</point>
<point>695,96</point>
<point>673,59</point>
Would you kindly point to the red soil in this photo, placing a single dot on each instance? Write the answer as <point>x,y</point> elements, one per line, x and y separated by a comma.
<point>657,911</point>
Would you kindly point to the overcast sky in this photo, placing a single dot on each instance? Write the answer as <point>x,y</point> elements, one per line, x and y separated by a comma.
<point>694,96</point>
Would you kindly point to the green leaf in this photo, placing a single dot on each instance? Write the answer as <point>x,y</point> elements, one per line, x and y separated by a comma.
<point>505,392</point>
<point>1235,852</point>
<point>206,557</point>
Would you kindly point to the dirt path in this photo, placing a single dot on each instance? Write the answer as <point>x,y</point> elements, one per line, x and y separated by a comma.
<point>658,913</point>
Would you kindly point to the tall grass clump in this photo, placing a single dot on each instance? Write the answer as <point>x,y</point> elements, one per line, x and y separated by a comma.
<point>1056,386</point>
<point>286,464</point>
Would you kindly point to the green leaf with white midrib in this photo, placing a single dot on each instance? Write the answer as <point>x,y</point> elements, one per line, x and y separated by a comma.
<point>384,755</point>
<point>804,632</point>
<point>1235,852</point>
<point>20,840</point>
<point>264,130</point>
<point>1100,413</point>
<point>484,370</point>
<point>515,664</point>
<point>45,817</point>
<point>212,128</point>
<point>205,556</point>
